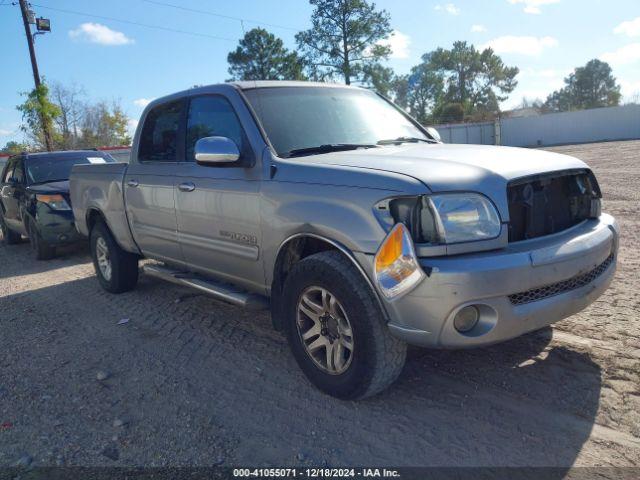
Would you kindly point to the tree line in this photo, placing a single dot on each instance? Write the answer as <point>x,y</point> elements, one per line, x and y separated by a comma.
<point>347,42</point>
<point>75,121</point>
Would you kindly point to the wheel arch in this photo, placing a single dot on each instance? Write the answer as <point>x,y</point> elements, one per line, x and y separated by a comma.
<point>92,216</point>
<point>95,214</point>
<point>297,247</point>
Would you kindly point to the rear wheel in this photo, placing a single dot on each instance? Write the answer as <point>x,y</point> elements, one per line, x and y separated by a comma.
<point>116,269</point>
<point>41,249</point>
<point>9,236</point>
<point>336,329</point>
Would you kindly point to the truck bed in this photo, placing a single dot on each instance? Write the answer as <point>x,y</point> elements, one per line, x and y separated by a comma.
<point>99,188</point>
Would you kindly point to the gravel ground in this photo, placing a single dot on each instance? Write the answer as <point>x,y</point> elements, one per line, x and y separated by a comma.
<point>191,381</point>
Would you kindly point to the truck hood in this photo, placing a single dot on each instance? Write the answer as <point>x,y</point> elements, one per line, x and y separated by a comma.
<point>446,167</point>
<point>453,167</point>
<point>51,187</point>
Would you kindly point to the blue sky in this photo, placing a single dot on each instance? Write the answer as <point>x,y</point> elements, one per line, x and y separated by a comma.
<point>115,60</point>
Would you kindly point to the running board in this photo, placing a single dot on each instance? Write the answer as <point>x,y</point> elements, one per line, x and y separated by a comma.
<point>218,290</point>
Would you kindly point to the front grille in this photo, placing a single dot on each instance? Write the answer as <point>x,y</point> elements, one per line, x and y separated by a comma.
<point>560,287</point>
<point>549,203</point>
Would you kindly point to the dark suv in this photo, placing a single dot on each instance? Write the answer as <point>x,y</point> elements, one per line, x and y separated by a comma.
<point>34,198</point>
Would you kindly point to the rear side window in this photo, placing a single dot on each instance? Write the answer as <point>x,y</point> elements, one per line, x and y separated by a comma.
<point>159,138</point>
<point>211,116</point>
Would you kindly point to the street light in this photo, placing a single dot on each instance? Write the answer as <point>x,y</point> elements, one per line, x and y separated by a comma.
<point>43,24</point>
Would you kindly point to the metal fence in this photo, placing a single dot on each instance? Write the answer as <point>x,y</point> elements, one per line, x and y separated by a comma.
<point>584,126</point>
<point>480,133</point>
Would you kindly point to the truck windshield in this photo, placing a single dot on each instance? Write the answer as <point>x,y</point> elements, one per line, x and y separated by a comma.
<point>57,167</point>
<point>310,119</point>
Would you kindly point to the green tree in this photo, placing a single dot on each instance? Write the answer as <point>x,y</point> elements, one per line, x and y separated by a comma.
<point>13,148</point>
<point>74,122</point>
<point>448,113</point>
<point>344,37</point>
<point>384,81</point>
<point>425,87</point>
<point>380,78</point>
<point>104,125</point>
<point>72,107</point>
<point>591,86</point>
<point>477,80</point>
<point>38,115</point>
<point>261,55</point>
<point>401,91</point>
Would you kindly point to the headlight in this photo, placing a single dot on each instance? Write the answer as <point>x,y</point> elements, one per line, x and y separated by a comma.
<point>56,202</point>
<point>464,217</point>
<point>396,267</point>
<point>442,218</point>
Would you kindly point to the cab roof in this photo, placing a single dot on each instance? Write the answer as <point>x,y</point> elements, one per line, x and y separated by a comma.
<point>248,85</point>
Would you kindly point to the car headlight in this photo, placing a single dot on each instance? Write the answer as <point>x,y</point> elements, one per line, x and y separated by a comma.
<point>56,201</point>
<point>442,218</point>
<point>395,265</point>
<point>464,217</point>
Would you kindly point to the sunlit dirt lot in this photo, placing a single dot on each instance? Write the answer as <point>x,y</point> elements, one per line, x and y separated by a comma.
<point>192,381</point>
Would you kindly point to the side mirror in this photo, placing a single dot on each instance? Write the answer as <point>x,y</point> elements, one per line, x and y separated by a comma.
<point>212,150</point>
<point>434,133</point>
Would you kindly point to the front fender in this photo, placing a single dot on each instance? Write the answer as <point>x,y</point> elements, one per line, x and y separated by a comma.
<point>340,214</point>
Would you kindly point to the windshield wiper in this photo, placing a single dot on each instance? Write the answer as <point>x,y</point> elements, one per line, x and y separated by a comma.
<point>327,148</point>
<point>399,140</point>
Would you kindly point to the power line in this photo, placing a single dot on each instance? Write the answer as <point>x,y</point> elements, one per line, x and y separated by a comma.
<point>138,24</point>
<point>206,12</point>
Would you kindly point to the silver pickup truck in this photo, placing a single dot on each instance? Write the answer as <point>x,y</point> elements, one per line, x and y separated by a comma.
<point>355,225</point>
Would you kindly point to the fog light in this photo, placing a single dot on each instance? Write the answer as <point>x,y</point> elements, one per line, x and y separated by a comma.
<point>466,319</point>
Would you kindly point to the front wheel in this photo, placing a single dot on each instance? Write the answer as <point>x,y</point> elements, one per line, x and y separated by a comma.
<point>336,329</point>
<point>116,269</point>
<point>40,247</point>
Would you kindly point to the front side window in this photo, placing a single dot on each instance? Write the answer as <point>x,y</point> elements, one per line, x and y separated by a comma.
<point>18,173</point>
<point>211,116</point>
<point>306,117</point>
<point>159,138</point>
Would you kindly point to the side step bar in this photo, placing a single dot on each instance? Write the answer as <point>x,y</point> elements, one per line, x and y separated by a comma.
<point>220,291</point>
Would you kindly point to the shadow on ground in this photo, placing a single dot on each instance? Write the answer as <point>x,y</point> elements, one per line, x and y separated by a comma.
<point>229,384</point>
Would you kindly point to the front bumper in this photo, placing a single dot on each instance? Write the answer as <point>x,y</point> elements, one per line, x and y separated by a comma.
<point>57,228</point>
<point>518,289</point>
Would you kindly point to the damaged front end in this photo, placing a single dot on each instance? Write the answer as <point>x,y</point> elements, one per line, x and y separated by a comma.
<point>549,203</point>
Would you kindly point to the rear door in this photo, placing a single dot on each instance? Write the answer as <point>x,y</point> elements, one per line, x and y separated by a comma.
<point>149,183</point>
<point>218,207</point>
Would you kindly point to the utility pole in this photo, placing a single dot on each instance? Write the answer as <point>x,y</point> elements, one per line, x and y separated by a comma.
<point>36,75</point>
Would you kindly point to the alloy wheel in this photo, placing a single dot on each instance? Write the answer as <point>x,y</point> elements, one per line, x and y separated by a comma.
<point>103,258</point>
<point>324,330</point>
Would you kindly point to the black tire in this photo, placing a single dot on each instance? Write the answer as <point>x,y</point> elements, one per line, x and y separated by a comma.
<point>41,249</point>
<point>9,237</point>
<point>124,265</point>
<point>377,357</point>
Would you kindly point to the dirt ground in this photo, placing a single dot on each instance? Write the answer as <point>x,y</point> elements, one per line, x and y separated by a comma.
<point>191,381</point>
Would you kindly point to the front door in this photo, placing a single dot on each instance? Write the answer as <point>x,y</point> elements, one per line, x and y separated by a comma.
<point>218,207</point>
<point>149,184</point>
<point>13,191</point>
